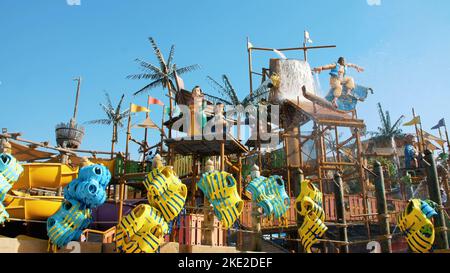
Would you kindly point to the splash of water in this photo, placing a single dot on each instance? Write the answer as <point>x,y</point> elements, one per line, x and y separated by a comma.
<point>317,86</point>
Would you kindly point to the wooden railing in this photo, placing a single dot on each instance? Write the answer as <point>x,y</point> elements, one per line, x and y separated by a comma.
<point>354,211</point>
<point>191,229</point>
<point>107,236</point>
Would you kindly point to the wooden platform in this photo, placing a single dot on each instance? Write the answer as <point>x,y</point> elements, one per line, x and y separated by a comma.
<point>203,147</point>
<point>324,115</point>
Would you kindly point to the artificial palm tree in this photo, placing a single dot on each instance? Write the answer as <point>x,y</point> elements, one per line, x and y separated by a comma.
<point>115,116</point>
<point>162,74</point>
<point>387,135</point>
<point>230,96</point>
<point>226,90</point>
<point>387,131</point>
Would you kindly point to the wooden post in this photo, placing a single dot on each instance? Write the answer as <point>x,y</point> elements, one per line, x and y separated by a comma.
<point>162,131</point>
<point>256,227</point>
<point>362,178</point>
<point>125,162</point>
<point>340,211</point>
<point>144,149</point>
<point>75,109</point>
<point>298,176</point>
<point>222,155</point>
<point>113,141</point>
<point>435,195</point>
<point>383,217</point>
<point>317,143</point>
<point>417,133</point>
<point>440,136</point>
<point>446,137</point>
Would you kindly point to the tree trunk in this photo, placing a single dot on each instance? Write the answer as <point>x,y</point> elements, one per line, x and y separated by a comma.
<point>113,140</point>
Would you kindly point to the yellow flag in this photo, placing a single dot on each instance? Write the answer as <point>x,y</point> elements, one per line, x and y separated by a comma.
<point>415,121</point>
<point>136,108</point>
<point>429,136</point>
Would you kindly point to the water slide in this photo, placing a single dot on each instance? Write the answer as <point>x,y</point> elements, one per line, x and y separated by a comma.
<point>21,205</point>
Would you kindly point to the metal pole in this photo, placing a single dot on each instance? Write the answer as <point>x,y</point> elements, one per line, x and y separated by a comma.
<point>250,72</point>
<point>435,195</point>
<point>383,217</point>
<point>340,210</point>
<point>446,137</point>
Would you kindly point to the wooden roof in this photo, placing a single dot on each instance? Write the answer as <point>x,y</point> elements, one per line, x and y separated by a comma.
<point>26,153</point>
<point>204,147</point>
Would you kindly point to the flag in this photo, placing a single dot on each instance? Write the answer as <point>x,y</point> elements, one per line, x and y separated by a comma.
<point>307,38</point>
<point>137,108</point>
<point>249,45</point>
<point>414,121</point>
<point>279,53</point>
<point>430,146</point>
<point>152,100</point>
<point>439,125</point>
<point>429,136</point>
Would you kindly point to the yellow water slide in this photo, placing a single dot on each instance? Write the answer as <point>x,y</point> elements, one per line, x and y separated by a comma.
<point>45,175</point>
<point>37,208</point>
<point>23,206</point>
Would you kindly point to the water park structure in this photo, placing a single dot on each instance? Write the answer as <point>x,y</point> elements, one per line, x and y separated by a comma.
<point>282,170</point>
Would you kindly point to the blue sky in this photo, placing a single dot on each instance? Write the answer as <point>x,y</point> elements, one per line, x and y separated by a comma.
<point>403,44</point>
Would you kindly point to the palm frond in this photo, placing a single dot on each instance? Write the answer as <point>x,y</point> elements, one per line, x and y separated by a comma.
<point>108,100</point>
<point>171,54</point>
<point>187,69</point>
<point>397,124</point>
<point>149,86</point>
<point>145,76</point>
<point>119,105</point>
<point>158,53</point>
<point>230,89</point>
<point>388,121</point>
<point>100,121</point>
<point>217,86</point>
<point>148,66</point>
<point>108,111</point>
<point>382,116</point>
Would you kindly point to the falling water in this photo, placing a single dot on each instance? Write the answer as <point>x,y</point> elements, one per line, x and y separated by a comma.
<point>317,86</point>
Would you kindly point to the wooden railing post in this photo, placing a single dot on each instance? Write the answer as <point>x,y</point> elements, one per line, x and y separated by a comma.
<point>298,176</point>
<point>435,195</point>
<point>383,217</point>
<point>340,211</point>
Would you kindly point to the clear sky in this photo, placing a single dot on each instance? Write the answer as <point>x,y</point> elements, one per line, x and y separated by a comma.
<point>404,45</point>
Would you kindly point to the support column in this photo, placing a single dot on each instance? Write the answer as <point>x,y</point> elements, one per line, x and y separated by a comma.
<point>256,227</point>
<point>340,211</point>
<point>435,195</point>
<point>298,177</point>
<point>363,180</point>
<point>383,217</point>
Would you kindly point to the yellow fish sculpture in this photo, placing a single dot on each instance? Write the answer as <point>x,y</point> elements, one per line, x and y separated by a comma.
<point>141,231</point>
<point>166,192</point>
<point>220,189</point>
<point>418,229</point>
<point>309,205</point>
